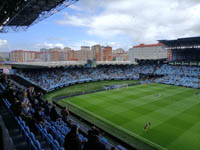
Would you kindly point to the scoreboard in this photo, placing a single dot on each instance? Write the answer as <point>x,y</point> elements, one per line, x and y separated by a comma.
<point>91,64</point>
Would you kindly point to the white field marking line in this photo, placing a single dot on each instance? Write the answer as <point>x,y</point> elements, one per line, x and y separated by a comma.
<point>121,128</point>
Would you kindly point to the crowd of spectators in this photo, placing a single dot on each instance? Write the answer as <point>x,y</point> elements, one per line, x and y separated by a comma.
<point>187,76</point>
<point>50,79</point>
<point>29,105</point>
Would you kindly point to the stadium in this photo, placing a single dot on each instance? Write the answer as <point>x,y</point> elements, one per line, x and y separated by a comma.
<point>120,98</point>
<point>147,105</point>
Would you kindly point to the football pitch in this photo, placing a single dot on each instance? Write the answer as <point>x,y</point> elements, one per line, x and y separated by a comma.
<point>85,87</point>
<point>173,111</point>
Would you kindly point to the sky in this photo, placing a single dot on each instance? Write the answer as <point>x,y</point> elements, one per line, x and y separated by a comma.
<point>117,23</point>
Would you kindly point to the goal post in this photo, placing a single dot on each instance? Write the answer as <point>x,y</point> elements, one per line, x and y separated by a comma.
<point>116,86</point>
<point>123,86</point>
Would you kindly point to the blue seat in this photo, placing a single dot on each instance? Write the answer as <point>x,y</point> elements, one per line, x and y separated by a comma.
<point>33,147</point>
<point>43,132</point>
<point>104,140</point>
<point>23,123</point>
<point>20,119</point>
<point>18,122</point>
<point>32,136</point>
<point>54,147</point>
<point>38,127</point>
<point>49,139</point>
<point>121,147</point>
<point>63,131</point>
<point>27,129</point>
<point>22,129</point>
<point>58,135</point>
<point>26,135</point>
<point>29,141</point>
<point>62,140</point>
<point>37,143</point>
<point>56,143</point>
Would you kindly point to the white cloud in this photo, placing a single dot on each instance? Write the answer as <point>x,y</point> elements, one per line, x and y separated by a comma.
<point>141,20</point>
<point>77,45</point>
<point>49,45</point>
<point>74,7</point>
<point>114,45</point>
<point>3,42</point>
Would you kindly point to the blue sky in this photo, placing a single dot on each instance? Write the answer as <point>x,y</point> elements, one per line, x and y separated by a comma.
<point>118,23</point>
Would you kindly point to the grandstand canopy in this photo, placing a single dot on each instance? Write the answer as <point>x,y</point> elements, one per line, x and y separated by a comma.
<point>183,49</point>
<point>55,64</point>
<point>17,14</point>
<point>182,43</point>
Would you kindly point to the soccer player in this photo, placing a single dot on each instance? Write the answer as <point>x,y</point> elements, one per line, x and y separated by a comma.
<point>149,124</point>
<point>146,127</point>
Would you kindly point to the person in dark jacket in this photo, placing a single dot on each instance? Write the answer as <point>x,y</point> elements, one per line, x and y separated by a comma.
<point>53,114</point>
<point>113,148</point>
<point>16,107</point>
<point>46,109</point>
<point>64,114</point>
<point>94,142</point>
<point>38,117</point>
<point>30,122</point>
<point>72,141</point>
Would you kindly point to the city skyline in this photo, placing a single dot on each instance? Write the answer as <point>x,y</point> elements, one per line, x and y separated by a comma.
<point>95,52</point>
<point>120,24</point>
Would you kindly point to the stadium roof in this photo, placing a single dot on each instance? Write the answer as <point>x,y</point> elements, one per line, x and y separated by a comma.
<point>20,14</point>
<point>148,45</point>
<point>191,42</point>
<point>54,64</point>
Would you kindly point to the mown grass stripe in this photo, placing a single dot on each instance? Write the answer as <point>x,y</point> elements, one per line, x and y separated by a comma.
<point>174,112</point>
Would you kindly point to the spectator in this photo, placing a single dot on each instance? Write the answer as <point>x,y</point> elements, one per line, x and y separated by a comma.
<point>94,141</point>
<point>113,148</point>
<point>72,141</point>
<point>25,99</point>
<point>30,122</point>
<point>53,114</point>
<point>16,107</point>
<point>64,113</point>
<point>69,123</point>
<point>38,117</point>
<point>46,109</point>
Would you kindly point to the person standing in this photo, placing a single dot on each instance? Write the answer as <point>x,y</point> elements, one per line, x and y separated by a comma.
<point>64,114</point>
<point>53,114</point>
<point>72,141</point>
<point>147,126</point>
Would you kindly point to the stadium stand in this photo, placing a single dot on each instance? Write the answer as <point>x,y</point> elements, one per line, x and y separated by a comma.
<point>39,125</point>
<point>44,126</point>
<point>179,75</point>
<point>51,79</point>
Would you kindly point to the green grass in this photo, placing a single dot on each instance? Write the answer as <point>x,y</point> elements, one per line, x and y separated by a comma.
<point>83,87</point>
<point>174,113</point>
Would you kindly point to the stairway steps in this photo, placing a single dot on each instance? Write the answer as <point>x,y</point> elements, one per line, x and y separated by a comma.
<point>13,130</point>
<point>22,146</point>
